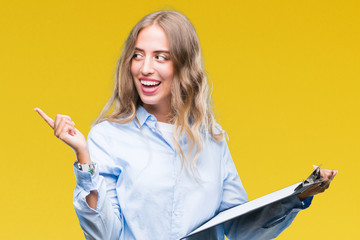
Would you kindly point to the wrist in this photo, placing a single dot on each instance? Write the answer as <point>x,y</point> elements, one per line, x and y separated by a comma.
<point>83,155</point>
<point>301,197</point>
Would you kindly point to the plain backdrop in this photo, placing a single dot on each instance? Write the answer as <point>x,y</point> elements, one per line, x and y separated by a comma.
<point>285,79</point>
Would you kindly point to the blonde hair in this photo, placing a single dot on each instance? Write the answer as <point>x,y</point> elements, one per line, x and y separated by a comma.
<point>190,97</point>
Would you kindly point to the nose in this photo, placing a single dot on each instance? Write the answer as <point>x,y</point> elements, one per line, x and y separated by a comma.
<point>147,67</point>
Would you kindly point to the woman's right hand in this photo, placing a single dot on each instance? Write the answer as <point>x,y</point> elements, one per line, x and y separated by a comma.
<point>64,129</point>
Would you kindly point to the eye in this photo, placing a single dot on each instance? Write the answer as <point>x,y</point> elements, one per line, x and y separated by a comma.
<point>161,58</point>
<point>137,56</point>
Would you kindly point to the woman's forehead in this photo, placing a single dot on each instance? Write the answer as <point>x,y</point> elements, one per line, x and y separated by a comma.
<point>152,38</point>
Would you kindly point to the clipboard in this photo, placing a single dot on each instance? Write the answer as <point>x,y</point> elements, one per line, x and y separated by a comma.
<point>260,202</point>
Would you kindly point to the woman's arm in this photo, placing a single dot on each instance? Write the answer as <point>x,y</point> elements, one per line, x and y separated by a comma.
<point>268,222</point>
<point>64,129</point>
<point>95,200</point>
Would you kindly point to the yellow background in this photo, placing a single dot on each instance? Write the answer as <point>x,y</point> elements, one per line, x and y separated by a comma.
<point>285,78</point>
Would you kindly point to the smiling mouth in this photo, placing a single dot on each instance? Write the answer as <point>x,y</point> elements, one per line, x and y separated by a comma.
<point>146,83</point>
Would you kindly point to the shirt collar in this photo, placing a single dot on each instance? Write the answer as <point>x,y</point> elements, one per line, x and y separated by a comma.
<point>144,117</point>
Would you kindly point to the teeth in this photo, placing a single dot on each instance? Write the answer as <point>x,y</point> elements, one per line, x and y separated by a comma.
<point>149,83</point>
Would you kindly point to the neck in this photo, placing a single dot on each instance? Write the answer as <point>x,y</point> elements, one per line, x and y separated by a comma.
<point>161,114</point>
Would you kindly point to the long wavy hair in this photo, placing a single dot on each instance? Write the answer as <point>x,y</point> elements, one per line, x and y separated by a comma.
<point>190,97</point>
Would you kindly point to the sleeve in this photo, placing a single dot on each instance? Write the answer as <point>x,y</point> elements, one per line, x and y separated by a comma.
<point>265,223</point>
<point>106,221</point>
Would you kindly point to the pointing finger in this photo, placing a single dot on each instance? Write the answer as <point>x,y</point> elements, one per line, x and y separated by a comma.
<point>47,119</point>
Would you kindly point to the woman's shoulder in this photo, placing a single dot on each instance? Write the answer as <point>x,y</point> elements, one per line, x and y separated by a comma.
<point>217,129</point>
<point>216,140</point>
<point>218,133</point>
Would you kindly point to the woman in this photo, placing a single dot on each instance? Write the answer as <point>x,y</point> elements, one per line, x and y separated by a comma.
<point>157,166</point>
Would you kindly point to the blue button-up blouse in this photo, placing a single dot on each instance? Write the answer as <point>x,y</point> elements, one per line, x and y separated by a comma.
<point>143,192</point>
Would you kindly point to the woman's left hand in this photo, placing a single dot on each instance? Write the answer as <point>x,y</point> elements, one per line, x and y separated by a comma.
<point>327,175</point>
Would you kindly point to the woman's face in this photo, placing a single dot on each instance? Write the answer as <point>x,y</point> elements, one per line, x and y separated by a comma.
<point>152,69</point>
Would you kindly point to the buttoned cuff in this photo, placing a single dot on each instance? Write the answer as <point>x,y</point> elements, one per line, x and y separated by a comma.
<point>306,202</point>
<point>85,180</point>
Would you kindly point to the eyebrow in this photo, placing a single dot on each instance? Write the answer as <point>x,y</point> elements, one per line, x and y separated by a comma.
<point>157,51</point>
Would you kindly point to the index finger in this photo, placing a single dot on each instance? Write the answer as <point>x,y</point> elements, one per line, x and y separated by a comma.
<point>47,119</point>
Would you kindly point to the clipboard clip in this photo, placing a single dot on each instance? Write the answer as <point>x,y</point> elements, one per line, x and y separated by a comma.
<point>311,180</point>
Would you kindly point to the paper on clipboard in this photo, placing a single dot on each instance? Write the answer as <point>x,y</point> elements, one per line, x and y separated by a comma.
<point>258,203</point>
